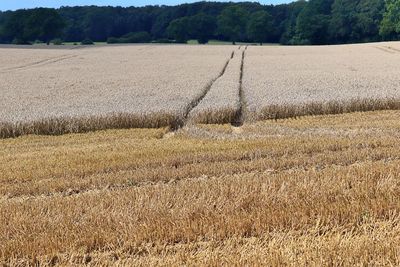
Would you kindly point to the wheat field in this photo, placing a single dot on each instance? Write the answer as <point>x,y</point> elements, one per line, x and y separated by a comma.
<point>100,88</point>
<point>150,86</point>
<point>321,190</point>
<point>222,102</point>
<point>154,155</point>
<point>284,82</point>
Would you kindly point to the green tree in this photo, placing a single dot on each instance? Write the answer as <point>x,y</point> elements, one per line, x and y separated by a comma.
<point>313,22</point>
<point>355,20</point>
<point>259,27</point>
<point>390,25</point>
<point>178,29</point>
<point>343,20</point>
<point>232,23</point>
<point>98,23</point>
<point>289,29</point>
<point>202,27</point>
<point>369,14</point>
<point>44,24</point>
<point>300,22</point>
<point>133,37</point>
<point>15,27</point>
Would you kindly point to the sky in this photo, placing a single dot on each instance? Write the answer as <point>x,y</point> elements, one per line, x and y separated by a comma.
<point>17,4</point>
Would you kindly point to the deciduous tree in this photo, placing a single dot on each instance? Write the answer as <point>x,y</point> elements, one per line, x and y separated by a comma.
<point>259,27</point>
<point>232,23</point>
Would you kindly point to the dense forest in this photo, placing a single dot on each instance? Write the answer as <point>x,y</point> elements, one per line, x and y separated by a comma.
<point>300,22</point>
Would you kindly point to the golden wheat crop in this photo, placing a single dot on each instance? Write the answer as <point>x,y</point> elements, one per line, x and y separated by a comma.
<point>17,59</point>
<point>320,190</point>
<point>73,91</point>
<point>222,102</point>
<point>90,89</point>
<point>281,82</point>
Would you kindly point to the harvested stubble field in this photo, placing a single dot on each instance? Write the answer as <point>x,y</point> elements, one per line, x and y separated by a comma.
<point>314,191</point>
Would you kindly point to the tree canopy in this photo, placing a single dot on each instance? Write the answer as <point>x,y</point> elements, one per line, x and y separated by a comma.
<point>41,24</point>
<point>390,25</point>
<point>300,22</point>
<point>259,27</point>
<point>232,23</point>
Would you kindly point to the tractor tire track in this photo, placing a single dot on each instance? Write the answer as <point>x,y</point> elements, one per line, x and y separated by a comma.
<point>393,49</point>
<point>182,121</point>
<point>240,115</point>
<point>40,63</point>
<point>385,49</point>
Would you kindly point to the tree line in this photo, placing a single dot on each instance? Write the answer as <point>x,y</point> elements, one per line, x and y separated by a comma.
<point>297,23</point>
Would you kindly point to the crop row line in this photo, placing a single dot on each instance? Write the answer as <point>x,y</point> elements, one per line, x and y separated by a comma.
<point>239,118</point>
<point>69,192</point>
<point>39,63</point>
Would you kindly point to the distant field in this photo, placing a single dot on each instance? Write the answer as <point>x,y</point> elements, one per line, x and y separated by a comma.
<point>315,191</point>
<point>78,90</point>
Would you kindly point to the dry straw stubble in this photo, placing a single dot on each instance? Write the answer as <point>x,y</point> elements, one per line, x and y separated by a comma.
<point>322,190</point>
